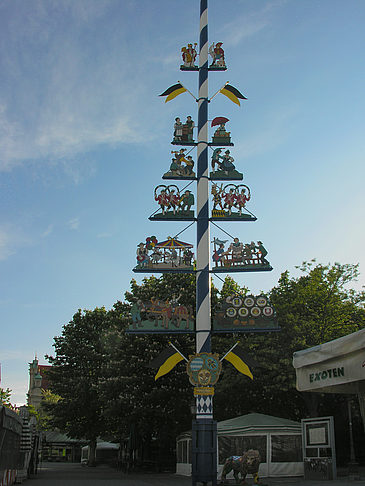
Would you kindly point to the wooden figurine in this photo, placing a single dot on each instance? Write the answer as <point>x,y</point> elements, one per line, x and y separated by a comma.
<point>221,136</point>
<point>181,166</point>
<point>223,167</point>
<point>230,201</point>
<point>159,315</point>
<point>178,130</point>
<point>245,313</point>
<point>217,53</point>
<point>240,257</point>
<point>174,206</point>
<point>183,132</point>
<point>171,255</point>
<point>189,55</point>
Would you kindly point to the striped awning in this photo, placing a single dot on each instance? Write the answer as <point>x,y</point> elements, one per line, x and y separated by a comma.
<point>171,243</point>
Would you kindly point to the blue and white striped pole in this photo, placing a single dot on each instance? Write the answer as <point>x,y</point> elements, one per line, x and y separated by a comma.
<point>203,287</point>
<point>204,428</point>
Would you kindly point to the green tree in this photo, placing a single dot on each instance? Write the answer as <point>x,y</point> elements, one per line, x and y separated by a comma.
<point>44,413</point>
<point>315,307</point>
<point>5,398</point>
<point>75,375</point>
<point>134,403</point>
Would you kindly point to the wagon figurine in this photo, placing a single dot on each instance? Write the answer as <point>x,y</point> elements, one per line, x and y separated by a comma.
<point>171,255</point>
<point>158,315</point>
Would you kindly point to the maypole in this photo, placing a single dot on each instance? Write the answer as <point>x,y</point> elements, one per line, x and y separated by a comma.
<point>203,324</point>
<point>237,313</point>
<point>204,428</point>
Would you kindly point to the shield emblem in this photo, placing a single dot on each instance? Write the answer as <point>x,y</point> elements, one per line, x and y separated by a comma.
<point>204,369</point>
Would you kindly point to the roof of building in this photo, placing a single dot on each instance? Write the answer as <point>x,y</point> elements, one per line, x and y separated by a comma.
<point>43,372</point>
<point>54,437</point>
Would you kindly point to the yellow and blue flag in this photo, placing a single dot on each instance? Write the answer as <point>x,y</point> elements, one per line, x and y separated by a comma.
<point>241,361</point>
<point>232,93</point>
<point>173,91</point>
<point>166,361</point>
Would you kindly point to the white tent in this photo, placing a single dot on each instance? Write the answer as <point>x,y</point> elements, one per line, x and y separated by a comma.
<point>334,367</point>
<point>106,452</point>
<point>278,440</point>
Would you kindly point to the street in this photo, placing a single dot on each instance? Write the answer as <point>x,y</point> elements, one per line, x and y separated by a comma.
<point>73,474</point>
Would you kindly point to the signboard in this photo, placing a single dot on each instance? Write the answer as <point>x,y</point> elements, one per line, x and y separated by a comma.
<point>319,453</point>
<point>245,314</point>
<point>334,367</point>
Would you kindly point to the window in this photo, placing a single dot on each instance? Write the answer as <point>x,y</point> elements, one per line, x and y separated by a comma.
<point>237,445</point>
<point>286,448</point>
<point>183,452</point>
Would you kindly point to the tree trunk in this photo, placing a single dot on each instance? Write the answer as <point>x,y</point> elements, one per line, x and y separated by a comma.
<point>92,453</point>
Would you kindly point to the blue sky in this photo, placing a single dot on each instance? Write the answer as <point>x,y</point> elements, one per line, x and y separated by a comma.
<point>84,139</point>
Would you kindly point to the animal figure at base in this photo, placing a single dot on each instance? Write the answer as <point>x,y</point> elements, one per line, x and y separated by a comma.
<point>248,463</point>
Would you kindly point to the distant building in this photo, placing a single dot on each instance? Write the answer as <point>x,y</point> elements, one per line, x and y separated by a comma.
<point>37,381</point>
<point>55,446</point>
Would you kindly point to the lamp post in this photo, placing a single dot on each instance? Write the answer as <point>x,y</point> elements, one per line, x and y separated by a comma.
<point>353,466</point>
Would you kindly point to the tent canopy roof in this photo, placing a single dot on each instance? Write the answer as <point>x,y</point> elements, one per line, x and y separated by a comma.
<point>253,423</point>
<point>104,445</point>
<point>334,367</point>
<point>173,243</point>
<point>338,347</point>
<point>258,421</point>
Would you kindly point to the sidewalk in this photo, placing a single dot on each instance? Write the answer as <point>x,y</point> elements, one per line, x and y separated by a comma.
<point>73,474</point>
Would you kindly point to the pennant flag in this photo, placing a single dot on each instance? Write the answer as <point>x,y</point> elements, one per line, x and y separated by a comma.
<point>240,360</point>
<point>232,93</point>
<point>173,91</point>
<point>165,361</point>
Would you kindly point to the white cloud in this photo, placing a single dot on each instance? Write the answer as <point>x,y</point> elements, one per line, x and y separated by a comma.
<point>11,239</point>
<point>62,95</point>
<point>74,224</point>
<point>48,231</point>
<point>249,24</point>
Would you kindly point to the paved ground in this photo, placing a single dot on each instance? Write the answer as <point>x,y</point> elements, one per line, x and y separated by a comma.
<point>71,474</point>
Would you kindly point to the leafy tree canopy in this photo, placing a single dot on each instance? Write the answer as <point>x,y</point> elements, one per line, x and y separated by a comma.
<point>75,375</point>
<point>100,371</point>
<point>5,398</point>
<point>313,308</point>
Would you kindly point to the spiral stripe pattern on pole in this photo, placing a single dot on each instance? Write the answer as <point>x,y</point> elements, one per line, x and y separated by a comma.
<point>203,325</point>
